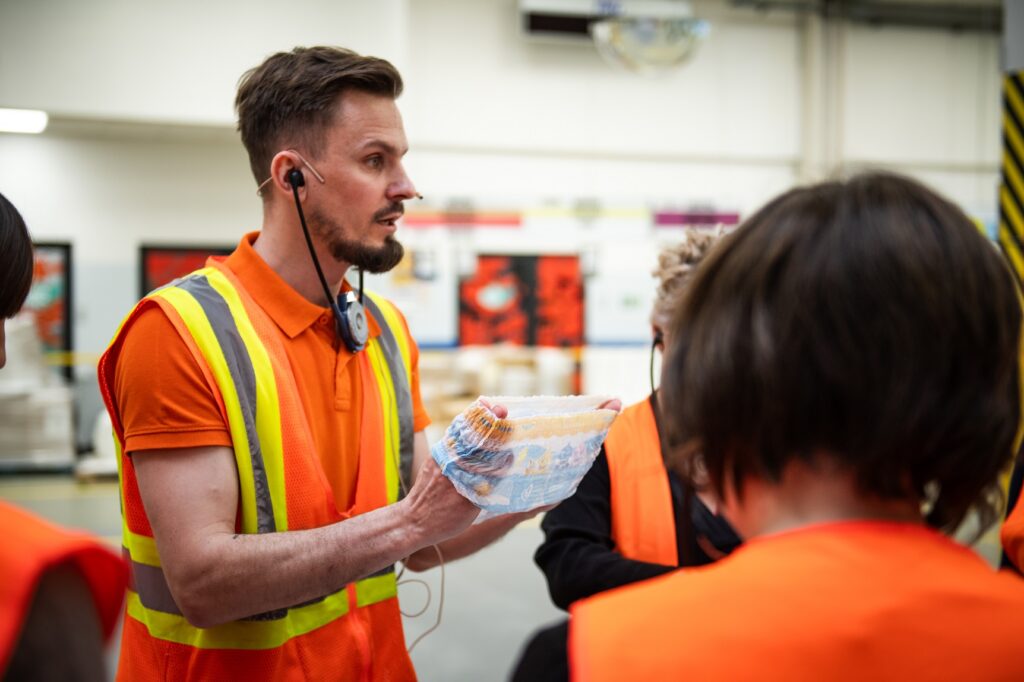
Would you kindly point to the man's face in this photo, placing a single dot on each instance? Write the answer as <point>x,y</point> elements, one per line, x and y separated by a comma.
<point>354,212</point>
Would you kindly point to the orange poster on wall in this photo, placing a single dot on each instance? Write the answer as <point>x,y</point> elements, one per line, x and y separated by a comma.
<point>522,300</point>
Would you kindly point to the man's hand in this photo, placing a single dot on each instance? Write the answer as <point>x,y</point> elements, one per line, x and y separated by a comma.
<point>436,509</point>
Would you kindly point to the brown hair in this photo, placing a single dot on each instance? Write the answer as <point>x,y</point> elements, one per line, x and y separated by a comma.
<point>676,265</point>
<point>865,320</point>
<point>291,98</point>
<point>16,261</point>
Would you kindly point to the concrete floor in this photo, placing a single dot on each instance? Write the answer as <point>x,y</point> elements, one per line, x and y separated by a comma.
<point>492,600</point>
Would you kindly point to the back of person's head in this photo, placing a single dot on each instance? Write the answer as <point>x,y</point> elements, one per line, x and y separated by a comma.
<point>676,265</point>
<point>292,98</point>
<point>15,259</point>
<point>865,321</point>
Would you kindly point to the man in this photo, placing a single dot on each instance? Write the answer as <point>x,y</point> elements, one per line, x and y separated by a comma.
<point>263,452</point>
<point>823,367</point>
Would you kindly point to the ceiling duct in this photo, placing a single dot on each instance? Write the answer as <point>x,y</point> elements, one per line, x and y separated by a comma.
<point>966,15</point>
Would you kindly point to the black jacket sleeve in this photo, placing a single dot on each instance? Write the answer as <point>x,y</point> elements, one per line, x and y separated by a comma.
<point>578,555</point>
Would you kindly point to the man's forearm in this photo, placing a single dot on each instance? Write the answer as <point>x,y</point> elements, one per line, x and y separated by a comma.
<point>233,576</point>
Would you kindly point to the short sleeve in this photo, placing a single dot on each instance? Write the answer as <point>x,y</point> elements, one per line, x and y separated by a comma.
<point>164,399</point>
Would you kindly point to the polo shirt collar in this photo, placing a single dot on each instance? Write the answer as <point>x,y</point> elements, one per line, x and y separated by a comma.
<point>291,311</point>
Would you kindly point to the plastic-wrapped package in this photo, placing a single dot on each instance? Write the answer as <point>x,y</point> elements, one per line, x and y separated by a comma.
<point>534,457</point>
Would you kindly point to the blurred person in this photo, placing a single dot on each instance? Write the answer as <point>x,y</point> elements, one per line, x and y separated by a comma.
<point>268,417</point>
<point>631,518</point>
<point>60,590</point>
<point>825,364</point>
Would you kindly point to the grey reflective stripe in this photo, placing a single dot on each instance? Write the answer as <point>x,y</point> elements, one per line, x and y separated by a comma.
<point>244,377</point>
<point>403,396</point>
<point>383,571</point>
<point>155,594</point>
<point>151,585</point>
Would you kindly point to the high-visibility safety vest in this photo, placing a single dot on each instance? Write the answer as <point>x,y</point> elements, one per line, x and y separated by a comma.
<point>31,546</point>
<point>282,485</point>
<point>1012,531</point>
<point>643,521</point>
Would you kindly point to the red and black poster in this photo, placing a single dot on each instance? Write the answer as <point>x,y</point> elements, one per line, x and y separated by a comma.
<point>522,300</point>
<point>160,265</point>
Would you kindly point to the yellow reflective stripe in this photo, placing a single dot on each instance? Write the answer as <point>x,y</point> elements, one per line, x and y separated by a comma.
<point>141,547</point>
<point>199,327</point>
<point>394,322</point>
<point>241,634</point>
<point>376,589</point>
<point>389,417</point>
<point>268,406</point>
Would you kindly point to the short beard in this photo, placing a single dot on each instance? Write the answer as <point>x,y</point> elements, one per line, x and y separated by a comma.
<point>370,259</point>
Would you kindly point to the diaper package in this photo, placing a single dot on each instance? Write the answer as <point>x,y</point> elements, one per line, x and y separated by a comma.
<point>534,457</point>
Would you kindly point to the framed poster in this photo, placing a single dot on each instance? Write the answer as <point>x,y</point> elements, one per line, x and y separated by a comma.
<point>159,265</point>
<point>522,300</point>
<point>49,300</point>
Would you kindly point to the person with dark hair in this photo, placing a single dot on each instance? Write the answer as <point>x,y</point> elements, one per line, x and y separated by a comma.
<point>60,590</point>
<point>15,268</point>
<point>268,418</point>
<point>845,368</point>
<point>631,518</point>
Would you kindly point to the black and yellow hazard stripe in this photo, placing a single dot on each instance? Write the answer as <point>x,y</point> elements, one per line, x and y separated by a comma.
<point>1011,222</point>
<point>1011,191</point>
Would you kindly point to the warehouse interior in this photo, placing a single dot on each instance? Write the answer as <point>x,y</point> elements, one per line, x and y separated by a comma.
<point>536,147</point>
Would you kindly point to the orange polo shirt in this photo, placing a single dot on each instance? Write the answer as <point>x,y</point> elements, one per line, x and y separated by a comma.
<point>859,600</point>
<point>165,401</point>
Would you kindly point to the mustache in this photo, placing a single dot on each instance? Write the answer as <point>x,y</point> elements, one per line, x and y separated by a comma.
<point>390,209</point>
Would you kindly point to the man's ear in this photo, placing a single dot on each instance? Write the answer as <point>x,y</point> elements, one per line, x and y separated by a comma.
<point>284,168</point>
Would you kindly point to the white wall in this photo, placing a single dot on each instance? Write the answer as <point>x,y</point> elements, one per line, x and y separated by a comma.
<point>168,61</point>
<point>926,103</point>
<point>492,117</point>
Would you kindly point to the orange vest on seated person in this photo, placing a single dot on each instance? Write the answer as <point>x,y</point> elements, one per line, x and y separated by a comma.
<point>282,487</point>
<point>840,601</point>
<point>643,522</point>
<point>30,547</point>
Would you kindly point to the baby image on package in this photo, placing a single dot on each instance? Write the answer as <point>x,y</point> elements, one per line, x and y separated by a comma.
<point>533,457</point>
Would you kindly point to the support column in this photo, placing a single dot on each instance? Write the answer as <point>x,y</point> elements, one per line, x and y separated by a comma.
<point>1011,189</point>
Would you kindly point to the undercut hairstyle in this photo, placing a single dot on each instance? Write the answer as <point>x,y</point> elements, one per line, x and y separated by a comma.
<point>867,322</point>
<point>16,261</point>
<point>292,98</point>
<point>676,265</point>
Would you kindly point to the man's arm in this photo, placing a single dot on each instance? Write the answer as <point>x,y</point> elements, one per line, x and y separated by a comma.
<point>216,576</point>
<point>473,538</point>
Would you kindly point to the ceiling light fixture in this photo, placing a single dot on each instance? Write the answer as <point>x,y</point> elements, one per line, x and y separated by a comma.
<point>648,45</point>
<point>23,121</point>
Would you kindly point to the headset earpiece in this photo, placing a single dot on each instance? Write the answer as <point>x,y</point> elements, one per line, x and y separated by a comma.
<point>657,342</point>
<point>349,314</point>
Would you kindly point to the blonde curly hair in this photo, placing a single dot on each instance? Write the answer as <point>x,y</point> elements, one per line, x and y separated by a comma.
<point>676,264</point>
